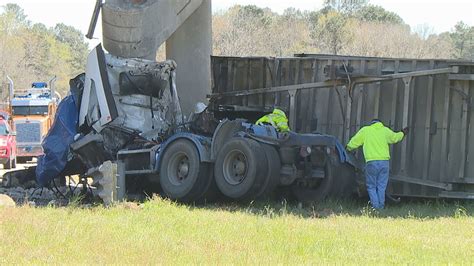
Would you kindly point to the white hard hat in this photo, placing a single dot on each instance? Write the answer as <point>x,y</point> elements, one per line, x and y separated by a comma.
<point>199,108</point>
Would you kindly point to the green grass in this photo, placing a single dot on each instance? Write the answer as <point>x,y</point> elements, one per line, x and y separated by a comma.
<point>160,231</point>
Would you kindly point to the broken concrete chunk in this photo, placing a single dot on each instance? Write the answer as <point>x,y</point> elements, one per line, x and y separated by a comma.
<point>6,201</point>
<point>105,179</point>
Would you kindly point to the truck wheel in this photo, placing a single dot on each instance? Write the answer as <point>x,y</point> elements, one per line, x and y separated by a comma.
<point>183,176</point>
<point>273,171</point>
<point>315,192</point>
<point>241,169</point>
<point>345,180</point>
<point>14,163</point>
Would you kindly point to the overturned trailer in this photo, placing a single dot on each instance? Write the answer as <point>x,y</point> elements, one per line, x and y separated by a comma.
<point>337,95</point>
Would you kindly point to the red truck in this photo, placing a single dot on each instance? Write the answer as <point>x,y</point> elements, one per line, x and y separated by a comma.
<point>7,143</point>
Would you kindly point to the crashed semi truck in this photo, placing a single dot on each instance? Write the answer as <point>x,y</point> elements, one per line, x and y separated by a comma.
<point>127,132</point>
<point>129,117</point>
<point>126,112</point>
<point>123,118</point>
<point>123,124</point>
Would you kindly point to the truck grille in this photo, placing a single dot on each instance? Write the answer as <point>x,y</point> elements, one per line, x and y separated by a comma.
<point>28,132</point>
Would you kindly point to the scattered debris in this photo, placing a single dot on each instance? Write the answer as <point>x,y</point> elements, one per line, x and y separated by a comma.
<point>30,196</point>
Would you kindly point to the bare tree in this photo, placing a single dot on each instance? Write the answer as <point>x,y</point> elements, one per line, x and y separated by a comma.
<point>423,30</point>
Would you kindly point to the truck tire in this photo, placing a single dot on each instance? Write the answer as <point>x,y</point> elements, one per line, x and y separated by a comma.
<point>273,172</point>
<point>345,180</point>
<point>14,163</point>
<point>183,177</point>
<point>318,192</point>
<point>241,169</point>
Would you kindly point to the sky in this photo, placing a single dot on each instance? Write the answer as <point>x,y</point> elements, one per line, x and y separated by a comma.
<point>439,15</point>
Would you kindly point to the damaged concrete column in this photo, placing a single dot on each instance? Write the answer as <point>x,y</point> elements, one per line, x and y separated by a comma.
<point>191,47</point>
<point>105,179</point>
<point>136,28</point>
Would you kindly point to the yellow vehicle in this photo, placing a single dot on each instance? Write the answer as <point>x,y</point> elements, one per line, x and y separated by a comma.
<point>33,114</point>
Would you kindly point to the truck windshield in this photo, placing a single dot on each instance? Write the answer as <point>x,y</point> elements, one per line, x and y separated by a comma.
<point>30,110</point>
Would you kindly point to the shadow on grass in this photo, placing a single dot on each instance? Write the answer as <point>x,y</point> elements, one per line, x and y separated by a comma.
<point>407,208</point>
<point>355,207</point>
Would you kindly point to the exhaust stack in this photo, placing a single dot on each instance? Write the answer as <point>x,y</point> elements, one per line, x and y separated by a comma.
<point>51,84</point>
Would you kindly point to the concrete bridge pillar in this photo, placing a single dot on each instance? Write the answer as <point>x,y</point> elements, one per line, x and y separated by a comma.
<point>191,47</point>
<point>137,28</point>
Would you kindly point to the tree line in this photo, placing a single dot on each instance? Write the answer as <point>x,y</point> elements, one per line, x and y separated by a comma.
<point>340,27</point>
<point>32,52</point>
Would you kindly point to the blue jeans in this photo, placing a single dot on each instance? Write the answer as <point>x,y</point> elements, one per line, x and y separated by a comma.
<point>376,174</point>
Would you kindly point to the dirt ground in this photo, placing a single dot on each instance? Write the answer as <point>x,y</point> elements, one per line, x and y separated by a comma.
<point>26,196</point>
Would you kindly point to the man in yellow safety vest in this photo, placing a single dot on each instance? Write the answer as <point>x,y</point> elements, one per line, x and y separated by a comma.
<point>375,140</point>
<point>277,119</point>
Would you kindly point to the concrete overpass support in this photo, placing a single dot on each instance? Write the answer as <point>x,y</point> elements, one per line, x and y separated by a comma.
<point>191,47</point>
<point>137,28</point>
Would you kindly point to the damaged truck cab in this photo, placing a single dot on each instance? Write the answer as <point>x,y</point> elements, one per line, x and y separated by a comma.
<point>129,114</point>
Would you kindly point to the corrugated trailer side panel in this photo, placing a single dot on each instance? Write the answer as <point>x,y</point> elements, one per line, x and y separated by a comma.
<point>438,148</point>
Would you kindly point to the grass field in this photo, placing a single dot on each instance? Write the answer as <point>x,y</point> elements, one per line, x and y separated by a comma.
<point>160,231</point>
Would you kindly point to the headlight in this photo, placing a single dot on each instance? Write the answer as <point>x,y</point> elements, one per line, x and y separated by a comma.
<point>3,142</point>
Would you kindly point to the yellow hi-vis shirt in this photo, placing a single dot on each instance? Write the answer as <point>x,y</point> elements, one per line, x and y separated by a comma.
<point>277,119</point>
<point>375,140</point>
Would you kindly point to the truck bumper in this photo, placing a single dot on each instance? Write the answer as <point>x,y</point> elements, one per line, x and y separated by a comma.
<point>4,155</point>
<point>29,150</point>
